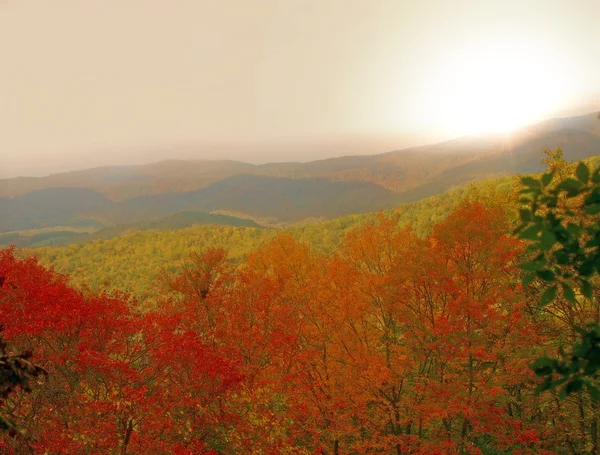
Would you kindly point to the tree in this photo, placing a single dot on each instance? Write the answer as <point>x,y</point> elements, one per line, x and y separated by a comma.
<point>119,381</point>
<point>16,371</point>
<point>560,218</point>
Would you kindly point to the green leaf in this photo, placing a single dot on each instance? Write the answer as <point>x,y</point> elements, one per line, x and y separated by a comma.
<point>547,384</point>
<point>543,366</point>
<point>586,268</point>
<point>596,176</point>
<point>546,275</point>
<point>530,182</point>
<point>547,240</point>
<point>568,293</point>
<point>594,392</point>
<point>548,296</point>
<point>532,266</point>
<point>592,209</point>
<point>561,257</point>
<point>528,279</point>
<point>571,186</point>
<point>586,289</point>
<point>593,197</point>
<point>582,172</point>
<point>552,201</point>
<point>525,215</point>
<point>547,178</point>
<point>531,233</point>
<point>527,190</point>
<point>572,386</point>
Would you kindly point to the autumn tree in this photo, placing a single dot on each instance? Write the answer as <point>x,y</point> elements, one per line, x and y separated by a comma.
<point>560,222</point>
<point>119,382</point>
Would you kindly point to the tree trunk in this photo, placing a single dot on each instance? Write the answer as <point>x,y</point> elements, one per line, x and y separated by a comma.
<point>128,431</point>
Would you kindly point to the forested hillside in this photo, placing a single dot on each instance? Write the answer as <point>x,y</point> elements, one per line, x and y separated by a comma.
<point>390,342</point>
<point>133,262</point>
<point>70,235</point>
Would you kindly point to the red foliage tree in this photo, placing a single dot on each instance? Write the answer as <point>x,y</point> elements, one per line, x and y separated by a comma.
<point>116,378</point>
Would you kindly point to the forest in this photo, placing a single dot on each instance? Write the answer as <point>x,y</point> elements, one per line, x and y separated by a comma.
<point>131,262</point>
<point>472,333</point>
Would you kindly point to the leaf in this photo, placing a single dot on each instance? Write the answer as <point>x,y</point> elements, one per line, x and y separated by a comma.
<point>568,293</point>
<point>530,182</point>
<point>527,190</point>
<point>586,268</point>
<point>561,257</point>
<point>552,201</point>
<point>525,215</point>
<point>531,233</point>
<point>528,279</point>
<point>547,240</point>
<point>593,209</point>
<point>572,386</point>
<point>547,178</point>
<point>586,289</point>
<point>532,266</point>
<point>573,230</point>
<point>594,242</point>
<point>594,392</point>
<point>596,176</point>
<point>548,296</point>
<point>593,197</point>
<point>543,366</point>
<point>582,172</point>
<point>547,384</point>
<point>571,186</point>
<point>546,275</point>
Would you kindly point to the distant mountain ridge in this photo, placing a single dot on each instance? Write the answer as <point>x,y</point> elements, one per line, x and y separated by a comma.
<point>286,192</point>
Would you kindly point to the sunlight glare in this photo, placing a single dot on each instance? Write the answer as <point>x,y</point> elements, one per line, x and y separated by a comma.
<point>494,87</point>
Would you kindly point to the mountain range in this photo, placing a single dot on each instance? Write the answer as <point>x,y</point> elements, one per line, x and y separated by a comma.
<point>285,193</point>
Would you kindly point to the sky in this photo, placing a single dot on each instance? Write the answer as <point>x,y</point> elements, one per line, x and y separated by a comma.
<point>85,83</point>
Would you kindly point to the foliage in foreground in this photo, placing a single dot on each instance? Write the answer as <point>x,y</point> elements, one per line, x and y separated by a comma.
<point>391,345</point>
<point>561,220</point>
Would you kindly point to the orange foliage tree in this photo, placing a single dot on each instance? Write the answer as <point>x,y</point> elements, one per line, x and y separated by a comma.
<point>392,345</point>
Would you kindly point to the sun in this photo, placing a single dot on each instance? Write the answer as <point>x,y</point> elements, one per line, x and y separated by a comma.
<point>493,87</point>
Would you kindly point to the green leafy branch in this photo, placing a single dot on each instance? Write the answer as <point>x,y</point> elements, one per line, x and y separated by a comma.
<point>560,220</point>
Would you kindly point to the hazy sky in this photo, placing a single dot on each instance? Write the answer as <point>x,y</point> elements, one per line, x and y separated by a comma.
<point>91,82</point>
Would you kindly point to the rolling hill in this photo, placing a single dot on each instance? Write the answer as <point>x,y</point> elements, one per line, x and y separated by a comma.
<point>61,236</point>
<point>132,257</point>
<point>132,260</point>
<point>286,192</point>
